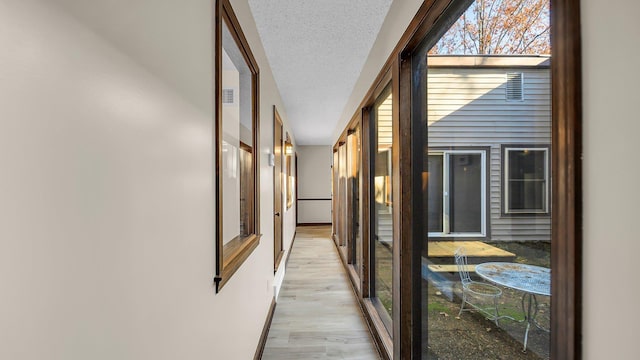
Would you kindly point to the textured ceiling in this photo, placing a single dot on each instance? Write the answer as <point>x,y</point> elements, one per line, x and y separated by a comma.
<point>316,50</point>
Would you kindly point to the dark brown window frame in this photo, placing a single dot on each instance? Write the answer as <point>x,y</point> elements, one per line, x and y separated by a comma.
<point>225,268</point>
<point>356,273</point>
<point>354,141</point>
<point>566,183</point>
<point>362,283</point>
<point>385,88</point>
<point>334,196</point>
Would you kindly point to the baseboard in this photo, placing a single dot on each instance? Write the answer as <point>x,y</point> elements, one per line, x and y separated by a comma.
<point>313,224</point>
<point>265,331</point>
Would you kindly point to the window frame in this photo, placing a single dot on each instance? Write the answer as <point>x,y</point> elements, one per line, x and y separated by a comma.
<point>483,151</point>
<point>387,89</point>
<point>565,179</point>
<point>226,267</point>
<point>505,180</point>
<point>354,149</point>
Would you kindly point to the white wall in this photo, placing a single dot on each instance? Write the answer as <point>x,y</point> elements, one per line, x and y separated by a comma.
<point>611,75</point>
<point>107,205</point>
<point>314,171</point>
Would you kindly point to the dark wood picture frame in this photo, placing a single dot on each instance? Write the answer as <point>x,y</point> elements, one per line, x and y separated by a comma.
<point>226,266</point>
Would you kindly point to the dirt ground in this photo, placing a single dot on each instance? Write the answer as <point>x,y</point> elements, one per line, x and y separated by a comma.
<point>471,335</point>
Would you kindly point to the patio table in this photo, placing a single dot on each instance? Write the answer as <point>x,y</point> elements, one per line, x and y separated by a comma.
<point>531,280</point>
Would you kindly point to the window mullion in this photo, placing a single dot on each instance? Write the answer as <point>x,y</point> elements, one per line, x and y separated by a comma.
<point>446,208</point>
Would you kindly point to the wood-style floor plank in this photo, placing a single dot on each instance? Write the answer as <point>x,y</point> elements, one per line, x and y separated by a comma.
<point>317,315</point>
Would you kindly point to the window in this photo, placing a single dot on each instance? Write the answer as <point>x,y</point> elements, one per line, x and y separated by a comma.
<point>353,165</point>
<point>457,193</point>
<point>236,138</point>
<point>290,178</point>
<point>469,191</point>
<point>382,207</point>
<point>526,181</point>
<point>456,102</point>
<point>342,196</point>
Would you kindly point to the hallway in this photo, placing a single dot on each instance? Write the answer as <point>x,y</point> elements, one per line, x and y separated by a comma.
<point>317,316</point>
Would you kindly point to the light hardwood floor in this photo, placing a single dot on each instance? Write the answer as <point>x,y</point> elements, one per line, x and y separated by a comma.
<point>317,315</point>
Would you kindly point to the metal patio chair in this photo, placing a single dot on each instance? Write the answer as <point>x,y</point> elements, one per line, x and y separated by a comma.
<point>473,290</point>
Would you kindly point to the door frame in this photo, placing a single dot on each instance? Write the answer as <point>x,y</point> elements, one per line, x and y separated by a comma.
<point>278,212</point>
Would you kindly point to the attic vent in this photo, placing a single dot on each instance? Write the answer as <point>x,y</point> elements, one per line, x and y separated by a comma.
<point>227,96</point>
<point>514,87</point>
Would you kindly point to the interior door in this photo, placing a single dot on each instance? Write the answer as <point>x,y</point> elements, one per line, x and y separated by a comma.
<point>278,179</point>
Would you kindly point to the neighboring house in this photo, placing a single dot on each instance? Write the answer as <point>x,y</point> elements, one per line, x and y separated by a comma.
<point>489,147</point>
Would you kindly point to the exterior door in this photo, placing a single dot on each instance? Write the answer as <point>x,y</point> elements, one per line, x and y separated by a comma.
<point>457,193</point>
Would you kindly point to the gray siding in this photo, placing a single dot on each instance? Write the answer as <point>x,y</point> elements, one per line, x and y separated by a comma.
<point>467,108</point>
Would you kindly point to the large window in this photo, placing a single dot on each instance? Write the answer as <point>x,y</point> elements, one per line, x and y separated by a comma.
<point>526,180</point>
<point>492,285</point>
<point>458,180</point>
<point>343,197</point>
<point>236,137</point>
<point>353,166</point>
<point>382,207</point>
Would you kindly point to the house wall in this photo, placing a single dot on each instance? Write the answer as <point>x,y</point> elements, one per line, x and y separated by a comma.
<point>107,214</point>
<point>314,171</point>
<point>611,197</point>
<point>467,108</point>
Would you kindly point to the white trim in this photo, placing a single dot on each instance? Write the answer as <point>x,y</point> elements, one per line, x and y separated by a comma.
<point>445,193</point>
<point>505,191</point>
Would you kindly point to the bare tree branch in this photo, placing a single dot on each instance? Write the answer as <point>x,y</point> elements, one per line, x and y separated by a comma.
<point>499,27</point>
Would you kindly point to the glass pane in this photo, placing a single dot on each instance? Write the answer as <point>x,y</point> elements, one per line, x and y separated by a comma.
<point>465,193</point>
<point>353,141</point>
<point>237,147</point>
<point>382,207</point>
<point>527,164</point>
<point>344,215</point>
<point>526,184</point>
<point>503,306</point>
<point>435,193</point>
<point>526,195</point>
<point>335,177</point>
<point>291,180</point>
